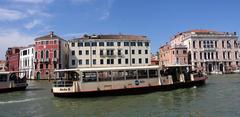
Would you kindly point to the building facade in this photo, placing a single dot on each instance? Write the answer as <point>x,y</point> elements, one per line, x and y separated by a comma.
<point>210,51</point>
<point>51,52</point>
<point>109,50</point>
<point>2,65</point>
<point>26,61</point>
<point>12,59</point>
<point>173,55</point>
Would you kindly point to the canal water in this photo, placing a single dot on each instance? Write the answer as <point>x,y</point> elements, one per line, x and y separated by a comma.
<point>220,97</point>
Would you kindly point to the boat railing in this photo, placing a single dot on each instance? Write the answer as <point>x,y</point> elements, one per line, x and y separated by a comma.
<point>63,83</point>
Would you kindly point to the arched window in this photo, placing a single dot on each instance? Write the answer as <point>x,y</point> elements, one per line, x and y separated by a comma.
<point>42,54</point>
<point>55,53</point>
<point>36,55</point>
<point>47,54</point>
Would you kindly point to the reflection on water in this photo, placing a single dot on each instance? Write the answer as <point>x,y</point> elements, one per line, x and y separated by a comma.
<point>219,97</point>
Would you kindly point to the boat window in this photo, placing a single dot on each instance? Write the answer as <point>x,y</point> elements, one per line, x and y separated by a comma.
<point>131,74</point>
<point>104,76</point>
<point>3,77</point>
<point>118,75</point>
<point>63,83</point>
<point>153,73</point>
<point>89,76</point>
<point>142,74</point>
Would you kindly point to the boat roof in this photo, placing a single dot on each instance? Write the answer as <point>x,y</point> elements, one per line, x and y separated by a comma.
<point>109,68</point>
<point>9,72</point>
<point>178,65</point>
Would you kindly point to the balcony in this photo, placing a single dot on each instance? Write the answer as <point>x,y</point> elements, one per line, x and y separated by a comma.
<point>108,56</point>
<point>209,49</point>
<point>47,60</point>
<point>35,60</point>
<point>42,60</point>
<point>55,59</point>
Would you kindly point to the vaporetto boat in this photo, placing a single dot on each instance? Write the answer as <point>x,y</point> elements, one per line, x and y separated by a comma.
<point>12,81</point>
<point>84,82</point>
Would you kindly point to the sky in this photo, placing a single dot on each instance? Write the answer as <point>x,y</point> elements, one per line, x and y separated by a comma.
<point>21,21</point>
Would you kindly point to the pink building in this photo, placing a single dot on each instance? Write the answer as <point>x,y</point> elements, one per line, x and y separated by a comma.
<point>173,55</point>
<point>12,59</point>
<point>51,52</point>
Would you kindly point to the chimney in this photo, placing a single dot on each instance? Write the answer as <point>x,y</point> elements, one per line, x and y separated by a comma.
<point>51,34</point>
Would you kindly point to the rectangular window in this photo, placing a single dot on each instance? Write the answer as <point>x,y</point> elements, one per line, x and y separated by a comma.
<point>133,61</point>
<point>94,52</point>
<point>119,52</point>
<point>80,52</point>
<point>87,52</point>
<point>146,60</point>
<point>205,55</point>
<point>73,62</point>
<point>200,55</point>
<point>73,52</point>
<point>110,43</point>
<point>119,61</point>
<point>133,51</point>
<point>41,66</point>
<point>94,61</point>
<point>139,51</point>
<point>126,43</point>
<point>215,44</point>
<point>216,55</point>
<point>87,61</point>
<point>140,61</point>
<point>46,66</point>
<point>223,46</point>
<point>101,43</point>
<point>101,52</point>
<point>112,61</point>
<point>146,51</point>
<point>101,61</point>
<point>80,62</point>
<point>80,44</point>
<point>200,44</point>
<point>147,44</point>
<point>73,44</point>
<point>133,43</point>
<point>119,43</point>
<point>108,61</point>
<point>140,43</point>
<point>126,61</point>
<point>87,44</point>
<point>94,43</point>
<point>126,51</point>
<point>184,52</point>
<point>193,44</point>
<point>55,66</point>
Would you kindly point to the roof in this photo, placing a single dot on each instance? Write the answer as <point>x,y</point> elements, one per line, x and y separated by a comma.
<point>203,31</point>
<point>50,36</point>
<point>113,37</point>
<point>108,68</point>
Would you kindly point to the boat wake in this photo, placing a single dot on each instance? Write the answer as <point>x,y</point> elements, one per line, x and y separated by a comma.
<point>19,101</point>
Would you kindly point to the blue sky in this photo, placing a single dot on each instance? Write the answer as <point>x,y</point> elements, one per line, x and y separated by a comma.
<point>23,20</point>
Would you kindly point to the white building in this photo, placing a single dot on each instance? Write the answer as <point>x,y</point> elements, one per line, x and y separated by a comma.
<point>2,65</point>
<point>26,62</point>
<point>109,50</point>
<point>210,51</point>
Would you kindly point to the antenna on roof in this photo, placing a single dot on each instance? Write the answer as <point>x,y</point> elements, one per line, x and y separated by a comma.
<point>51,34</point>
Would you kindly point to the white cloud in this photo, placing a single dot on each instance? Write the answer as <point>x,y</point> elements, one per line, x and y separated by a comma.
<point>34,1</point>
<point>11,38</point>
<point>73,35</point>
<point>32,24</point>
<point>10,15</point>
<point>38,12</point>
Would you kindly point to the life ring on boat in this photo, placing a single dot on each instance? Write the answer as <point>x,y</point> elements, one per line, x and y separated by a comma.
<point>137,82</point>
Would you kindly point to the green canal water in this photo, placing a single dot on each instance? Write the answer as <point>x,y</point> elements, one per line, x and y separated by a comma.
<point>220,97</point>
